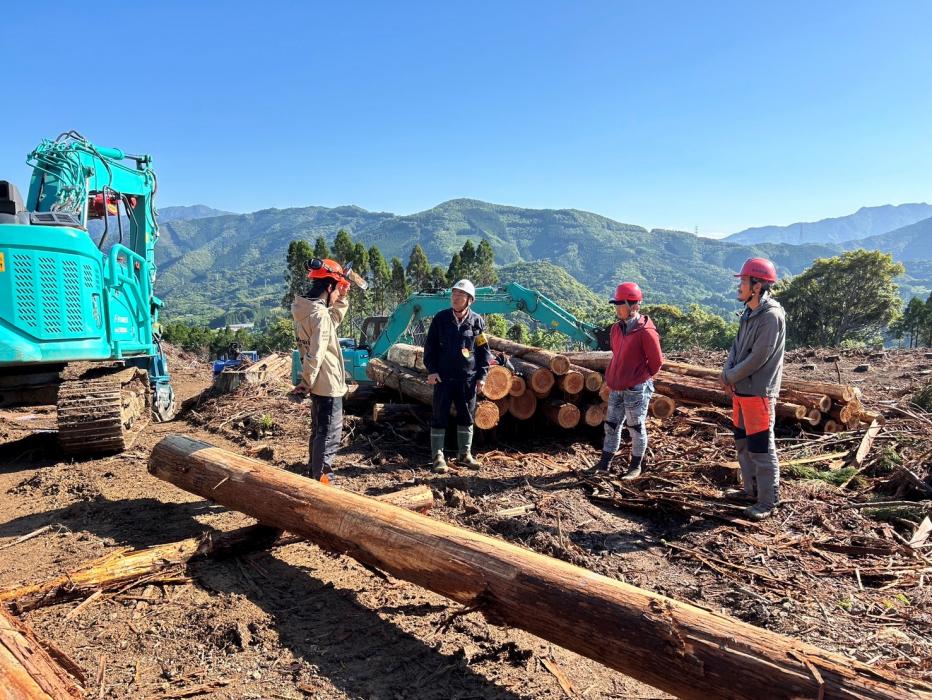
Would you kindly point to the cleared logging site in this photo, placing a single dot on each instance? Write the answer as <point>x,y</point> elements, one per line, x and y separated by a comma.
<point>199,563</point>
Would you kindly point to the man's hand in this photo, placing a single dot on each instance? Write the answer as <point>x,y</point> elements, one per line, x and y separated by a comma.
<point>433,378</point>
<point>724,383</point>
<point>479,386</point>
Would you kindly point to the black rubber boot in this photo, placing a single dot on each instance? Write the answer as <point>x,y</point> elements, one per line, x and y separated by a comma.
<point>634,469</point>
<point>605,463</point>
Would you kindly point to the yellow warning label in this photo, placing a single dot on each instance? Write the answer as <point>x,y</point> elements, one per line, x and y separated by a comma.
<point>2,263</point>
<point>481,340</point>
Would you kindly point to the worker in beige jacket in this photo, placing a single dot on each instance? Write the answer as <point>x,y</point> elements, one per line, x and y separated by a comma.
<point>316,315</point>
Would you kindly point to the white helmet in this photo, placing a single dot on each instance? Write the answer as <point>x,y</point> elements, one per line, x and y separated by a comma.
<point>466,286</point>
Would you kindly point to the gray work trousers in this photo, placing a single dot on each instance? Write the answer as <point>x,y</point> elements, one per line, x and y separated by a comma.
<point>628,409</point>
<point>757,456</point>
<point>326,433</point>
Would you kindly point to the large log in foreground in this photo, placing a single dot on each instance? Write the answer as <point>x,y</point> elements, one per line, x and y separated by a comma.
<point>680,648</point>
<point>27,670</point>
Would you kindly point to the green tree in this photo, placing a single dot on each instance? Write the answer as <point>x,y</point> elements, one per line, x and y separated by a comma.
<point>695,328</point>
<point>496,325</point>
<point>468,260</point>
<point>277,337</point>
<point>381,279</point>
<point>455,271</point>
<point>321,249</point>
<point>849,297</point>
<point>343,246</point>
<point>438,279</point>
<point>399,286</point>
<point>486,274</point>
<point>928,330</point>
<point>418,269</point>
<point>913,322</point>
<point>295,274</point>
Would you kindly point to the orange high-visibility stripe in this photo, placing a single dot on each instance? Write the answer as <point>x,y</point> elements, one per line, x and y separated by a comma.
<point>754,410</point>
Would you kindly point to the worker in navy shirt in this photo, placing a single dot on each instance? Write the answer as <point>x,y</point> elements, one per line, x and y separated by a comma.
<point>457,356</point>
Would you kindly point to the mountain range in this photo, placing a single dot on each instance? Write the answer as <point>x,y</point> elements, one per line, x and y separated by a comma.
<point>210,266</point>
<point>865,222</point>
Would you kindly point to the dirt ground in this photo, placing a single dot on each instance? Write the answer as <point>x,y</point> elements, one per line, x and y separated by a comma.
<point>296,622</point>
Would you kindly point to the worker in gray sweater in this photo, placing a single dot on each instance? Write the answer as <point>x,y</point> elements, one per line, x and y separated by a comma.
<point>752,373</point>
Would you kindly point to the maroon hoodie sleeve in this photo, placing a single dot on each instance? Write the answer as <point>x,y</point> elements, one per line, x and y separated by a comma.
<point>650,342</point>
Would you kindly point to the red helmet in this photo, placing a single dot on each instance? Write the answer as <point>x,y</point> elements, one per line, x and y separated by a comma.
<point>319,269</point>
<point>759,268</point>
<point>627,291</point>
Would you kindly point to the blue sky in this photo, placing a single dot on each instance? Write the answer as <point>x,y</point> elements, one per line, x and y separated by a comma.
<point>677,114</point>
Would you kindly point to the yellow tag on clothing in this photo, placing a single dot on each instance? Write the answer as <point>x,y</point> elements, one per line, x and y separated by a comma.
<point>466,353</point>
<point>481,340</point>
<point>2,263</point>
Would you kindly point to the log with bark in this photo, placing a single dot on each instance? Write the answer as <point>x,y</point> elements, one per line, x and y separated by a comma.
<point>682,649</point>
<point>538,379</point>
<point>386,412</point>
<point>33,669</point>
<point>405,381</point>
<point>593,380</point>
<point>410,356</point>
<point>555,362</point>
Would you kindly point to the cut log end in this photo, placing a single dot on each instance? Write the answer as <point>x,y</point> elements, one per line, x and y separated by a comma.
<point>524,406</point>
<point>497,382</point>
<point>572,382</point>
<point>595,415</point>
<point>662,406</point>
<point>562,413</point>
<point>487,415</point>
<point>518,386</point>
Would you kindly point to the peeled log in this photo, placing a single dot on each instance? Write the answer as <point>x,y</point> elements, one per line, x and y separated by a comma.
<point>404,380</point>
<point>497,382</point>
<point>572,382</point>
<point>662,406</point>
<point>562,413</point>
<point>27,670</point>
<point>518,386</point>
<point>556,363</point>
<point>687,651</point>
<point>410,356</point>
<point>524,406</point>
<point>594,415</point>
<point>487,415</point>
<point>539,379</point>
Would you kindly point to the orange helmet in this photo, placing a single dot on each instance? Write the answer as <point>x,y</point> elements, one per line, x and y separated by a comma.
<point>319,269</point>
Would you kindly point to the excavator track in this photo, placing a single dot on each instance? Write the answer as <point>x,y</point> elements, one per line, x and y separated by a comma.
<point>103,414</point>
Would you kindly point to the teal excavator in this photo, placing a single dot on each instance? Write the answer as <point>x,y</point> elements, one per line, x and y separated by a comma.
<point>78,316</point>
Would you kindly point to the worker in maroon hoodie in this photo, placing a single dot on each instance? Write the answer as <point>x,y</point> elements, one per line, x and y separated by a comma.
<point>636,358</point>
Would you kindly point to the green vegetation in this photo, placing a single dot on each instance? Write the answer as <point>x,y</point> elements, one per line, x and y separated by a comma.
<point>208,266</point>
<point>849,297</point>
<point>836,478</point>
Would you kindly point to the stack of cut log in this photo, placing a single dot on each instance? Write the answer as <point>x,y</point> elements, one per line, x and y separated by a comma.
<point>833,407</point>
<point>539,382</point>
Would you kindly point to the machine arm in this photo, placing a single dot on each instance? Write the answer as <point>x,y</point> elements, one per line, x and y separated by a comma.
<point>489,300</point>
